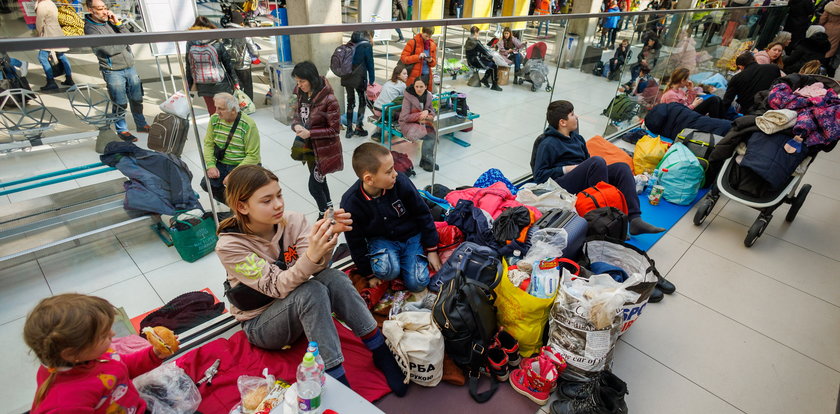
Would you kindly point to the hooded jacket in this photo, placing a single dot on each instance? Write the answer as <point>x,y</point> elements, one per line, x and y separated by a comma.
<point>830,19</point>
<point>552,151</point>
<point>397,214</point>
<point>411,57</point>
<point>250,259</point>
<point>324,125</point>
<point>671,118</point>
<point>111,57</point>
<point>363,68</point>
<point>811,48</point>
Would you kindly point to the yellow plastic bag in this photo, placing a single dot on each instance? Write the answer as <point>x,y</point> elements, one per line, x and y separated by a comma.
<point>649,151</point>
<point>522,315</point>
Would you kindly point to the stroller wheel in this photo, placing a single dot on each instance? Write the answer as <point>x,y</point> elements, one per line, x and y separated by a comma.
<point>797,203</point>
<point>533,88</point>
<point>548,88</point>
<point>755,231</point>
<point>520,81</point>
<point>703,210</point>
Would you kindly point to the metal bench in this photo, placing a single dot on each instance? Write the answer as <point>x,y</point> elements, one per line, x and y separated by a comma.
<point>93,106</point>
<point>449,122</point>
<point>24,116</point>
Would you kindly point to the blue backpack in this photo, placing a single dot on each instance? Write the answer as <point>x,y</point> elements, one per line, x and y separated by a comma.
<point>684,177</point>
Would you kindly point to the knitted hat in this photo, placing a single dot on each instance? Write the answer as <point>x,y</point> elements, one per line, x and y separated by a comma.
<point>814,29</point>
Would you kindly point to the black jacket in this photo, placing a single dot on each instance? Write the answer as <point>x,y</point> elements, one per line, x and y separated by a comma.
<point>552,151</point>
<point>398,214</point>
<point>810,48</point>
<point>753,79</point>
<point>669,119</point>
<point>798,19</point>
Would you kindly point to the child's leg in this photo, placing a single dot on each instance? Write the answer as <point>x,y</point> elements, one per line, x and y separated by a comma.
<point>384,258</point>
<point>414,267</point>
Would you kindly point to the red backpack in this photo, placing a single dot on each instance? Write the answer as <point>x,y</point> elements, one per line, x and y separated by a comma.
<point>403,164</point>
<point>600,195</point>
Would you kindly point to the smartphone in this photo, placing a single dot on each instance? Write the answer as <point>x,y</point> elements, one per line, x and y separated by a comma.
<point>329,215</point>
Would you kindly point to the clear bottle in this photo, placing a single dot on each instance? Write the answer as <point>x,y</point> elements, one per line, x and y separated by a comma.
<point>319,361</point>
<point>308,386</point>
<point>652,181</point>
<point>516,257</point>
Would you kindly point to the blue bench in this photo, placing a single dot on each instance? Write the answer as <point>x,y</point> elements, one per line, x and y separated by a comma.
<point>448,122</point>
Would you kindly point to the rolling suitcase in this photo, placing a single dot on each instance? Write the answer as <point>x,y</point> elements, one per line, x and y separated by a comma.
<point>575,225</point>
<point>168,134</point>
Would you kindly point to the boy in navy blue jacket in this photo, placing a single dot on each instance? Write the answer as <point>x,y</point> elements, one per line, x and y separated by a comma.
<point>560,154</point>
<point>393,231</point>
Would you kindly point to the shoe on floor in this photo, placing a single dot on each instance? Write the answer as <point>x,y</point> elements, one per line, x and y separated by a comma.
<point>510,345</point>
<point>145,129</point>
<point>126,136</point>
<point>497,363</point>
<point>68,82</point>
<point>534,379</point>
<point>50,86</point>
<point>360,132</point>
<point>349,133</point>
<point>496,88</point>
<point>656,296</point>
<point>665,286</point>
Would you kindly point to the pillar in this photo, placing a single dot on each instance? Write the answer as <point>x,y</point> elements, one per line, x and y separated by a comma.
<point>585,28</point>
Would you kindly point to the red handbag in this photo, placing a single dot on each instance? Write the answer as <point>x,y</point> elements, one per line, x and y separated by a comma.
<point>600,195</point>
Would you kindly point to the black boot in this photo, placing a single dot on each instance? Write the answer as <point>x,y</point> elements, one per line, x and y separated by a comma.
<point>360,131</point>
<point>486,79</point>
<point>428,166</point>
<point>349,130</point>
<point>68,81</point>
<point>50,86</point>
<point>496,87</point>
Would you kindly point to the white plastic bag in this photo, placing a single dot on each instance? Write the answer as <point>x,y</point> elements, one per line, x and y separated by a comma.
<point>546,196</point>
<point>417,345</point>
<point>546,244</point>
<point>167,389</point>
<point>177,105</point>
<point>500,60</point>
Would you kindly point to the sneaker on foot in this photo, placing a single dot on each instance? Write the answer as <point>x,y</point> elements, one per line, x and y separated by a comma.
<point>360,132</point>
<point>24,69</point>
<point>126,136</point>
<point>496,88</point>
<point>50,86</point>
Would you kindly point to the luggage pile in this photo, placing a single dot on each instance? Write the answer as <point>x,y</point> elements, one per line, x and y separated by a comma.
<point>530,293</point>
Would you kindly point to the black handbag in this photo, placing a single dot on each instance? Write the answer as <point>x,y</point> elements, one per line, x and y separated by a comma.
<point>247,298</point>
<point>219,152</point>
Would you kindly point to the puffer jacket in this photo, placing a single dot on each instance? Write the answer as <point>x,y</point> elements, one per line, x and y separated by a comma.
<point>324,127</point>
<point>671,118</point>
<point>410,57</point>
<point>830,19</point>
<point>477,55</point>
<point>493,199</point>
<point>811,48</point>
<point>411,129</point>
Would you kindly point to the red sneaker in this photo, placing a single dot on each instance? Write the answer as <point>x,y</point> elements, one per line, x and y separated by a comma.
<point>497,363</point>
<point>535,379</point>
<point>510,345</point>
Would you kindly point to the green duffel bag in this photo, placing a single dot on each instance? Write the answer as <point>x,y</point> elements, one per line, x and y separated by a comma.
<point>193,240</point>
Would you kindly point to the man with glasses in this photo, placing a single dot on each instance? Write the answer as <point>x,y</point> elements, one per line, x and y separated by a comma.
<point>116,62</point>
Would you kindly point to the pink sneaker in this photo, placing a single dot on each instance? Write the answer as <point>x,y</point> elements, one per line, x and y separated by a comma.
<point>535,379</point>
<point>555,358</point>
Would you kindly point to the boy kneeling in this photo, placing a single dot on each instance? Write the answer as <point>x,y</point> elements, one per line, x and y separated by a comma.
<point>393,227</point>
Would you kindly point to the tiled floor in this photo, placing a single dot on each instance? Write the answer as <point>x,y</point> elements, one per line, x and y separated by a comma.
<point>749,330</point>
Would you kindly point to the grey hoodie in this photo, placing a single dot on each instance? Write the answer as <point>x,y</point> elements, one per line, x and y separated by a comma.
<point>112,57</point>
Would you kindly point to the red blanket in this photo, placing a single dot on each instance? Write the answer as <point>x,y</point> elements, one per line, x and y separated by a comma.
<point>239,357</point>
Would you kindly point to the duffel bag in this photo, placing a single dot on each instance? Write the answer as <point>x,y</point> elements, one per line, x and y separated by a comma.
<point>608,222</point>
<point>480,262</point>
<point>600,195</point>
<point>684,177</point>
<point>700,143</point>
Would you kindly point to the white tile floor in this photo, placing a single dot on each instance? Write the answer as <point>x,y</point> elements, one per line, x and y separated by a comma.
<point>749,330</point>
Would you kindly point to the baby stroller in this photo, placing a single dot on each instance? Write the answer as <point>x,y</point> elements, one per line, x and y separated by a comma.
<point>765,201</point>
<point>535,71</point>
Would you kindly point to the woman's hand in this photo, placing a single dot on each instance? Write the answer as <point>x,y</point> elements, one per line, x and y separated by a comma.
<point>213,172</point>
<point>697,101</point>
<point>321,241</point>
<point>424,114</point>
<point>303,133</point>
<point>343,221</point>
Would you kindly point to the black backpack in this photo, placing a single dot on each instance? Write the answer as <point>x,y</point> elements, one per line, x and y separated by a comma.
<point>465,312</point>
<point>607,222</point>
<point>598,70</point>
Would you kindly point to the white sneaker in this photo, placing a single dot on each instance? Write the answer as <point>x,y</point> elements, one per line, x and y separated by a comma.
<point>24,69</point>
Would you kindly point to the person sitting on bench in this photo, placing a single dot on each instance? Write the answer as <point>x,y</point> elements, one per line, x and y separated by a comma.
<point>560,154</point>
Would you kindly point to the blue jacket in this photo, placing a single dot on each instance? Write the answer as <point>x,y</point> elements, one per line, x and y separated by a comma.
<point>671,118</point>
<point>552,151</point>
<point>398,214</point>
<point>363,55</point>
<point>612,21</point>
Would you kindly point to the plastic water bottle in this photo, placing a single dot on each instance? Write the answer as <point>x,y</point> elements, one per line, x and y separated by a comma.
<point>313,349</point>
<point>308,386</point>
<point>654,180</point>
<point>516,257</point>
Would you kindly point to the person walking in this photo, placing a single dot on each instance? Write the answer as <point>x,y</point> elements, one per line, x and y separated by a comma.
<point>209,66</point>
<point>355,84</point>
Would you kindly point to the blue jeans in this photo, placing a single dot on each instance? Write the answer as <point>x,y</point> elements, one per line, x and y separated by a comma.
<point>43,57</point>
<point>390,259</point>
<point>125,89</point>
<point>539,28</point>
<point>517,61</point>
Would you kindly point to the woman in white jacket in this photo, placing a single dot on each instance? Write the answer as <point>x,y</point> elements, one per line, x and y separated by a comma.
<point>46,25</point>
<point>392,89</point>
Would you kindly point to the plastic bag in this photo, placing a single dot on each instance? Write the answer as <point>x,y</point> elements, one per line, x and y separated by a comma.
<point>417,344</point>
<point>546,196</point>
<point>246,105</point>
<point>649,151</point>
<point>168,390</point>
<point>585,322</point>
<point>252,391</point>
<point>177,105</point>
<point>545,243</point>
<point>522,315</point>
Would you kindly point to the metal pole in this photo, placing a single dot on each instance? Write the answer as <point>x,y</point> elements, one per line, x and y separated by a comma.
<point>197,135</point>
<point>160,72</point>
<point>440,105</point>
<point>171,75</point>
